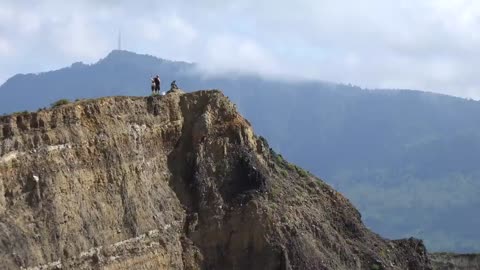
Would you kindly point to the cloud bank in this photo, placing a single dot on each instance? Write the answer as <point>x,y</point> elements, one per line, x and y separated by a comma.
<point>431,45</point>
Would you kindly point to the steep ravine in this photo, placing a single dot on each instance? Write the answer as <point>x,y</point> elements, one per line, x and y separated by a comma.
<point>171,182</point>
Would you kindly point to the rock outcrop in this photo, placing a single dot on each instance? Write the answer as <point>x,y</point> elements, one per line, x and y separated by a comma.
<point>451,261</point>
<point>170,182</point>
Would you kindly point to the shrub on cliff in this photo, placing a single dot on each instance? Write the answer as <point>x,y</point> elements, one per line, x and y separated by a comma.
<point>60,102</point>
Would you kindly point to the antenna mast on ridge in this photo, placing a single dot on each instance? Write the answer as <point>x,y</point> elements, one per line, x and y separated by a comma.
<point>119,40</point>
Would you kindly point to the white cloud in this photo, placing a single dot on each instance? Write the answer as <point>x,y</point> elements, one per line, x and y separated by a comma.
<point>28,22</point>
<point>5,47</point>
<point>78,38</point>
<point>182,31</point>
<point>170,28</point>
<point>150,29</point>
<point>227,53</point>
<point>6,14</point>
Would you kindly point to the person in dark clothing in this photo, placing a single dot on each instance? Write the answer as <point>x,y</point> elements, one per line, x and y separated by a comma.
<point>156,81</point>
<point>173,85</point>
<point>156,85</point>
<point>153,86</point>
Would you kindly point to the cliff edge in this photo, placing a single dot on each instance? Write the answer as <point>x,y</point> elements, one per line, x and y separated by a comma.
<point>171,182</point>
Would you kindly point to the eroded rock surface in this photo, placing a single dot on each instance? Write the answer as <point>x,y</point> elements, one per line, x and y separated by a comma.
<point>170,182</point>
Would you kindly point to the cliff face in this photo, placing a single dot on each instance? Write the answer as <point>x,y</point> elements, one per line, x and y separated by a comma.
<point>170,182</point>
<point>450,261</point>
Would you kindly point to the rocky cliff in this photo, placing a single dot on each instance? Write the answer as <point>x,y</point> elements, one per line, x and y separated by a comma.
<point>451,261</point>
<point>170,182</point>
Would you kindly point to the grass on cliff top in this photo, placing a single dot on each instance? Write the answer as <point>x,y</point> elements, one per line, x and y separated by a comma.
<point>60,102</point>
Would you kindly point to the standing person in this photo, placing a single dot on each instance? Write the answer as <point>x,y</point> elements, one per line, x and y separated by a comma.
<point>157,84</point>
<point>153,86</point>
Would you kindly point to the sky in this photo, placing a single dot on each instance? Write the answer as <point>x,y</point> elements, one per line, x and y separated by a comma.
<point>431,45</point>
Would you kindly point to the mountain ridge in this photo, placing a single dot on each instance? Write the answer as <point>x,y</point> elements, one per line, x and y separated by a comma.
<point>112,56</point>
<point>115,55</point>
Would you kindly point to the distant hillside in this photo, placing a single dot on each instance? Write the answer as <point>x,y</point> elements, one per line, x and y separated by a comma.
<point>411,153</point>
<point>450,261</point>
